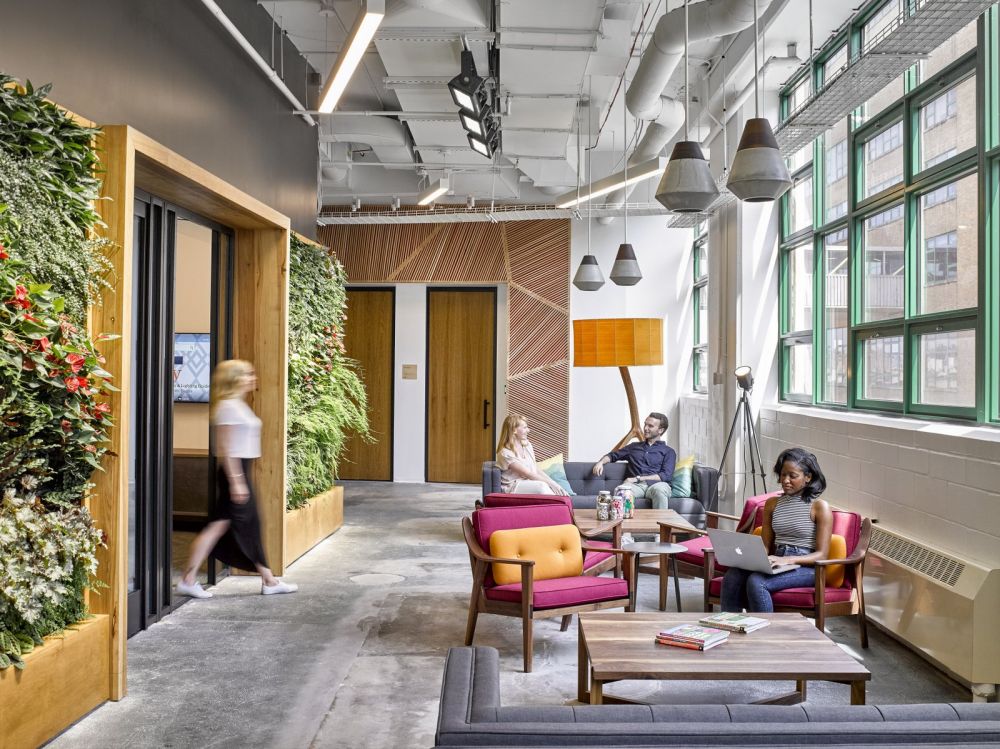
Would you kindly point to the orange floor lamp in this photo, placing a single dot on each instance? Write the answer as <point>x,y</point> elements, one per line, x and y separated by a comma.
<point>620,342</point>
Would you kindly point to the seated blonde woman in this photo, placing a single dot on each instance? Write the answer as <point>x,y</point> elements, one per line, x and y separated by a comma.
<point>519,472</point>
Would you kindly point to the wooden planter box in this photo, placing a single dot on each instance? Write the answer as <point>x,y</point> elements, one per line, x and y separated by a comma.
<point>307,526</point>
<point>63,680</point>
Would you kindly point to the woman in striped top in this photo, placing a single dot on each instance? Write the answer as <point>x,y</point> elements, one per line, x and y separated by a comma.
<point>795,529</point>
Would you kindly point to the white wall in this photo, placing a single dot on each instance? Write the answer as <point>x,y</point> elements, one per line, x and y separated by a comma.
<point>410,396</point>
<point>598,409</point>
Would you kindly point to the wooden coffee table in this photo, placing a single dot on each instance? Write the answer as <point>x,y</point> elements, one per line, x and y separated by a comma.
<point>622,646</point>
<point>645,521</point>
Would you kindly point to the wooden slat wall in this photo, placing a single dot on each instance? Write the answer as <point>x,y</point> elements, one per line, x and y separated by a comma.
<point>532,257</point>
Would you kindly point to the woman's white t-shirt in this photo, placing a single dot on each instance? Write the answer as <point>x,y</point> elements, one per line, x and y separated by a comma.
<point>244,438</point>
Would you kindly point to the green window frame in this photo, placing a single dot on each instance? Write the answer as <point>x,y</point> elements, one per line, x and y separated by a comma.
<point>699,349</point>
<point>907,362</point>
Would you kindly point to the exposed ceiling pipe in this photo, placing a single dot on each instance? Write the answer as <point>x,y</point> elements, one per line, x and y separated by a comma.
<point>235,33</point>
<point>708,19</point>
<point>386,136</point>
<point>782,65</point>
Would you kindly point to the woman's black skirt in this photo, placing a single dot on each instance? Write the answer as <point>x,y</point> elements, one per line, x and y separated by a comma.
<point>241,546</point>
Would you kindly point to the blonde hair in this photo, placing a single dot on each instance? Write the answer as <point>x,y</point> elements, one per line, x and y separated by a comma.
<point>507,431</point>
<point>226,381</point>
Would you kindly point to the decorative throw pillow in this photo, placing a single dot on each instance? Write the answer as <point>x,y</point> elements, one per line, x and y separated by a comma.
<point>554,469</point>
<point>680,485</point>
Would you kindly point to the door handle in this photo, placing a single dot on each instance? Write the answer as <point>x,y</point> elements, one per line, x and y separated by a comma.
<point>486,414</point>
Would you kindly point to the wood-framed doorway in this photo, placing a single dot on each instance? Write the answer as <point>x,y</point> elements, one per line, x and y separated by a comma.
<point>132,160</point>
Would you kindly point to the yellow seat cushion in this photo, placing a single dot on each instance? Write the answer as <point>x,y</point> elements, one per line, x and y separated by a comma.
<point>838,550</point>
<point>555,550</point>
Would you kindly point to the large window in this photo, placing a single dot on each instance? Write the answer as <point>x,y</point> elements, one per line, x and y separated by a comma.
<point>699,353</point>
<point>883,301</point>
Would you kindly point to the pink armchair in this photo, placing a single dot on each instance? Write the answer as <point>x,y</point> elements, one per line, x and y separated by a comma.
<point>844,598</point>
<point>532,599</point>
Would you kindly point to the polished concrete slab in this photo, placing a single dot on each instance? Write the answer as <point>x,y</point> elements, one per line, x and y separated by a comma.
<point>353,660</point>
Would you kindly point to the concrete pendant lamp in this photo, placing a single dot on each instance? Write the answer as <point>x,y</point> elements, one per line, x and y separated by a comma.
<point>687,185</point>
<point>759,173</point>
<point>625,271</point>
<point>588,276</point>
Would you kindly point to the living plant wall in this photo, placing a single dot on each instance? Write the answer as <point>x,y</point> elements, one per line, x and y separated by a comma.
<point>54,422</point>
<point>326,397</point>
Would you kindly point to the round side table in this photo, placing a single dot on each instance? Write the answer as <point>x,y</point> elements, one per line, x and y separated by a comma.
<point>664,550</point>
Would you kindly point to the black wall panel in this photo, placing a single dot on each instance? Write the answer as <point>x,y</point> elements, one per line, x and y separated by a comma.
<point>169,69</point>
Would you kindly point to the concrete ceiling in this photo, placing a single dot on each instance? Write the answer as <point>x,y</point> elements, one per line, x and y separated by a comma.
<point>552,54</point>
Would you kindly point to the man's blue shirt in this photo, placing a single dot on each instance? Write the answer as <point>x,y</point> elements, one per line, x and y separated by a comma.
<point>645,459</point>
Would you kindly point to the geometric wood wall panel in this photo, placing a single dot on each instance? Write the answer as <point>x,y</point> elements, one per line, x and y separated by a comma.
<point>539,258</point>
<point>537,334</point>
<point>532,257</point>
<point>540,397</point>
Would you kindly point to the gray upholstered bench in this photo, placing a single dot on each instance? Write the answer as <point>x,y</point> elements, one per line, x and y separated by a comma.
<point>470,715</point>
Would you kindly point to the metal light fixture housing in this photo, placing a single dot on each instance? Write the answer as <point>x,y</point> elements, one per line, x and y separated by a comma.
<point>744,377</point>
<point>434,191</point>
<point>687,185</point>
<point>467,89</point>
<point>625,271</point>
<point>759,173</point>
<point>588,276</point>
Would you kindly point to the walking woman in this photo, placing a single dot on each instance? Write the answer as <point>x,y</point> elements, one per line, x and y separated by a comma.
<point>234,531</point>
<point>795,529</point>
<point>519,472</point>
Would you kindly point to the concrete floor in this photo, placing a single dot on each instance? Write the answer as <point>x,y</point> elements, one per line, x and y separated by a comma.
<point>353,660</point>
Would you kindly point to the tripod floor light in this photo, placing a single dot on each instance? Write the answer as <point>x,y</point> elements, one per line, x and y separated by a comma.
<point>744,378</point>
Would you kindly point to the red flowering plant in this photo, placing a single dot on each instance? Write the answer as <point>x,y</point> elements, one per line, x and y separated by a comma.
<point>54,421</point>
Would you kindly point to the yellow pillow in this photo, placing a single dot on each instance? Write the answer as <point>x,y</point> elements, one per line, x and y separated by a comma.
<point>555,550</point>
<point>838,550</point>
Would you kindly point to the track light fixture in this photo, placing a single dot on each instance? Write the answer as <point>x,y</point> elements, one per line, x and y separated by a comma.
<point>467,89</point>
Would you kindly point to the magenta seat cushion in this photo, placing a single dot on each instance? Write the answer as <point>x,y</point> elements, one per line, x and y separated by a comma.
<point>564,591</point>
<point>522,500</point>
<point>801,598</point>
<point>593,558</point>
<point>848,525</point>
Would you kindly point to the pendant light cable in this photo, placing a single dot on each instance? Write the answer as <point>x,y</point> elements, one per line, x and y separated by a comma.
<point>625,154</point>
<point>687,81</point>
<point>590,157</point>
<point>756,70</point>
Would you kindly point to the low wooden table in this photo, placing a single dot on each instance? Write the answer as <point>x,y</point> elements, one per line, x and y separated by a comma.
<point>622,646</point>
<point>645,521</point>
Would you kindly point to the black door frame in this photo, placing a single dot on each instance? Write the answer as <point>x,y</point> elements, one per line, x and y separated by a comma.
<point>152,332</point>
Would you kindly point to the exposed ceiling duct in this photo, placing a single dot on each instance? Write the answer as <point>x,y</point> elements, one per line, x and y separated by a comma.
<point>645,99</point>
<point>386,136</point>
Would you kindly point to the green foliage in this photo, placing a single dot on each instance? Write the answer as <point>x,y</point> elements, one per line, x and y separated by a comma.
<point>53,249</point>
<point>326,397</point>
<point>34,129</point>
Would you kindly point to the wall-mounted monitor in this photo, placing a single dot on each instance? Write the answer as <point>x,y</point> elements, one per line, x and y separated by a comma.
<point>192,367</point>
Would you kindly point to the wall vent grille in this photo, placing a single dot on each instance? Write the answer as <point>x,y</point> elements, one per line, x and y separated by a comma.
<point>917,557</point>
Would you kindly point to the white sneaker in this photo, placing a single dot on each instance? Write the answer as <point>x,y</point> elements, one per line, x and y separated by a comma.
<point>194,590</point>
<point>278,587</point>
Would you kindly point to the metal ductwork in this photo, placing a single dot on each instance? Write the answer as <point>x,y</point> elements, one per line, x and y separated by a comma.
<point>387,137</point>
<point>708,19</point>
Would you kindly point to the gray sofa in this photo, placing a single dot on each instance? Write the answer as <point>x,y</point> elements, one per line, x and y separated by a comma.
<point>704,488</point>
<point>470,715</point>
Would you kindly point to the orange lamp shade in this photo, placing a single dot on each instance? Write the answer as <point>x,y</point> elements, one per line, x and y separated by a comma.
<point>618,342</point>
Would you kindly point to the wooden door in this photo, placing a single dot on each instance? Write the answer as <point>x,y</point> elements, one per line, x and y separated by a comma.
<point>369,339</point>
<point>461,382</point>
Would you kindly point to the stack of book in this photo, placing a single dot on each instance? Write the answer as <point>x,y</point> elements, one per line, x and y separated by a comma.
<point>692,637</point>
<point>734,622</point>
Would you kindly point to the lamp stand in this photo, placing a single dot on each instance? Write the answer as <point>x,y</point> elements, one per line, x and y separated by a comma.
<point>633,409</point>
<point>752,448</point>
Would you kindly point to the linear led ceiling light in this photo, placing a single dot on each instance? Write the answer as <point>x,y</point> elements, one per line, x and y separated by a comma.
<point>645,170</point>
<point>467,89</point>
<point>434,191</point>
<point>367,23</point>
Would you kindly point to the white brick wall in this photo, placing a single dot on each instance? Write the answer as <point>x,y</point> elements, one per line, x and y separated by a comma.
<point>696,429</point>
<point>935,483</point>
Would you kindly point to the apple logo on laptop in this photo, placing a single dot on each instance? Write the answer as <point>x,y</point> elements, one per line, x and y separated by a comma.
<point>738,550</point>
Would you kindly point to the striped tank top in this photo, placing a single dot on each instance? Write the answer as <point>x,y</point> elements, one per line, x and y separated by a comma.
<point>792,523</point>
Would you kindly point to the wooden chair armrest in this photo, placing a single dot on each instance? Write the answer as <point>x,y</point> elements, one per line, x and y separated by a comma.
<point>607,550</point>
<point>853,559</point>
<point>601,529</point>
<point>722,515</point>
<point>482,556</point>
<point>675,530</point>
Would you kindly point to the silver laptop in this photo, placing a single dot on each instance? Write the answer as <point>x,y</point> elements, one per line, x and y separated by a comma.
<point>744,550</point>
